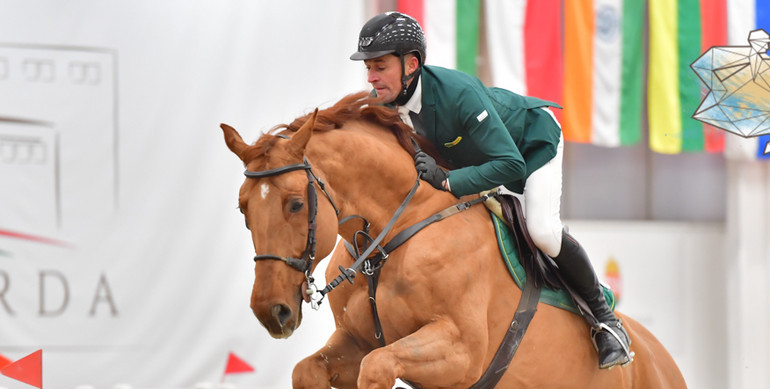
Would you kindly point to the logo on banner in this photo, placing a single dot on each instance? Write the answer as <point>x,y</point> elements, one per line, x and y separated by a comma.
<point>738,82</point>
<point>58,159</point>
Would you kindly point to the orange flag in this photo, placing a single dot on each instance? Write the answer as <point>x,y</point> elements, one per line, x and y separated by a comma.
<point>28,370</point>
<point>237,365</point>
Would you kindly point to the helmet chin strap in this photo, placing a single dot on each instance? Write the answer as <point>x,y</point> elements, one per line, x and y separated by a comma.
<point>407,92</point>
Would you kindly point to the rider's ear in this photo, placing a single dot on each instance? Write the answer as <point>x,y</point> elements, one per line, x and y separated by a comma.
<point>234,141</point>
<point>303,134</point>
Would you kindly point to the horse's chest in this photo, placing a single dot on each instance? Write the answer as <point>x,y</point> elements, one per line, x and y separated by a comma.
<point>395,310</point>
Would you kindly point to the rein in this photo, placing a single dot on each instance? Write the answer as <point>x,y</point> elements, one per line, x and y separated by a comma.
<point>350,273</point>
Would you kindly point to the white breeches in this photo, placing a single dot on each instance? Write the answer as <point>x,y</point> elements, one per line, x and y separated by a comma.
<point>542,202</point>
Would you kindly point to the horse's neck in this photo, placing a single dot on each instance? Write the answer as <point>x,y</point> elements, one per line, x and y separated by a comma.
<point>369,175</point>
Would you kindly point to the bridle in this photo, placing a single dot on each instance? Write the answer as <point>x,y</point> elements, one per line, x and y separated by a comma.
<point>305,262</point>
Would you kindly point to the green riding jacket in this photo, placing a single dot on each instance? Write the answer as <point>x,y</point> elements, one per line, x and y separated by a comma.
<point>491,135</point>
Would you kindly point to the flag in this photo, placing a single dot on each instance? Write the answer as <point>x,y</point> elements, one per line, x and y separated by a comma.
<point>468,12</point>
<point>676,39</point>
<point>413,8</point>
<point>237,365</point>
<point>438,21</point>
<point>745,16</point>
<point>28,370</point>
<point>762,18</point>
<point>523,38</point>
<point>524,46</point>
<point>524,41</point>
<point>714,23</point>
<point>603,71</point>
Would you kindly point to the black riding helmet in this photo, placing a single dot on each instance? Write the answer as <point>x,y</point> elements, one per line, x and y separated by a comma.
<point>392,33</point>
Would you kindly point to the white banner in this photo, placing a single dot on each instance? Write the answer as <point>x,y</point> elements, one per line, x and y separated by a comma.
<point>122,254</point>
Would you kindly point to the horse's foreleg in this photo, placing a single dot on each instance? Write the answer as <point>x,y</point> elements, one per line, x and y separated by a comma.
<point>435,354</point>
<point>337,364</point>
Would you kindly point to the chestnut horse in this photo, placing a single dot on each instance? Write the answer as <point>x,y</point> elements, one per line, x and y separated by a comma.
<point>445,297</point>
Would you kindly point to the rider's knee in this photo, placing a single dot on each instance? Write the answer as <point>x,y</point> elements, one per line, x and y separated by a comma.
<point>547,238</point>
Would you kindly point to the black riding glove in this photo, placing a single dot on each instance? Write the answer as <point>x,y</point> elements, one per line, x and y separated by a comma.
<point>429,171</point>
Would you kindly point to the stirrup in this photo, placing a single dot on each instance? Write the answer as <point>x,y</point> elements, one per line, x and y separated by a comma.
<point>605,327</point>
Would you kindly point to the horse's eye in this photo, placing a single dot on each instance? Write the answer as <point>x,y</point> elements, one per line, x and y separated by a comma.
<point>295,205</point>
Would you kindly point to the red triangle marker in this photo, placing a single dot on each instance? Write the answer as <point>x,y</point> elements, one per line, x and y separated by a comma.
<point>28,370</point>
<point>237,365</point>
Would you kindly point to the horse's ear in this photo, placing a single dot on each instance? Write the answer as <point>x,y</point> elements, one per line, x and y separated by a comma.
<point>303,134</point>
<point>234,141</point>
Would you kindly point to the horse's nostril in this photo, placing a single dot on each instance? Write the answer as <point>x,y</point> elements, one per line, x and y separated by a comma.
<point>282,313</point>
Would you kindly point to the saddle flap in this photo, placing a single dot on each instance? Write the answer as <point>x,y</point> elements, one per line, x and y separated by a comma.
<point>540,266</point>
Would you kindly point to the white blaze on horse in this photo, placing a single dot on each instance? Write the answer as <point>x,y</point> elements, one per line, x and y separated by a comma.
<point>445,297</point>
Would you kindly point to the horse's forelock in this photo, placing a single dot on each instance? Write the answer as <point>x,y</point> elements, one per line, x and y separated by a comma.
<point>260,148</point>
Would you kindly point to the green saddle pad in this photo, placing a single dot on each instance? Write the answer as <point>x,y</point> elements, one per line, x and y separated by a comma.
<point>557,298</point>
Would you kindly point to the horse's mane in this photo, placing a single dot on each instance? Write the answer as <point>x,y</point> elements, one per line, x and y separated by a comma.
<point>356,106</point>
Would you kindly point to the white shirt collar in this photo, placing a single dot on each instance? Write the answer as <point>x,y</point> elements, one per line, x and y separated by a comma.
<point>415,102</point>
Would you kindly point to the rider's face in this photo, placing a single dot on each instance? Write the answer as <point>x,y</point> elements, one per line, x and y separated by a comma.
<point>384,73</point>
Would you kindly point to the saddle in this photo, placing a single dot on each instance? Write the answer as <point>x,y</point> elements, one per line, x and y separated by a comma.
<point>536,264</point>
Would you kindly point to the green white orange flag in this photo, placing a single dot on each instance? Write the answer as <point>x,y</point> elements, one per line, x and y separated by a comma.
<point>603,71</point>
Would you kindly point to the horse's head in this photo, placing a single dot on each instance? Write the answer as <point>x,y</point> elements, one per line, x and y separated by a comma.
<point>290,223</point>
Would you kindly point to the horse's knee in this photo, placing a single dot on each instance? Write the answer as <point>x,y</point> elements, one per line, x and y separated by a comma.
<point>379,369</point>
<point>311,373</point>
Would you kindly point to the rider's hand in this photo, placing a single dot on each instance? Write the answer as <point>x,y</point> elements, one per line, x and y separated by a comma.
<point>429,171</point>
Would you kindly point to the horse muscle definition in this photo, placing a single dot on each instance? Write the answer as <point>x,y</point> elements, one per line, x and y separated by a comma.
<point>445,297</point>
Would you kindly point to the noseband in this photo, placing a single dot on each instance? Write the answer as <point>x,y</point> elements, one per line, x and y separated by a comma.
<point>304,263</point>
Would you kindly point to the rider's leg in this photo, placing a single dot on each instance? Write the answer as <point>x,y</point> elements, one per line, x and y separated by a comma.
<point>576,269</point>
<point>542,202</point>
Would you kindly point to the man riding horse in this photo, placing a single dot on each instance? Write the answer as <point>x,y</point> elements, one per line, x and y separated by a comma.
<point>492,137</point>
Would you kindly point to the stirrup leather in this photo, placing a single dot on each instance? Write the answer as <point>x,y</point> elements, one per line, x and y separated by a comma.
<point>605,327</point>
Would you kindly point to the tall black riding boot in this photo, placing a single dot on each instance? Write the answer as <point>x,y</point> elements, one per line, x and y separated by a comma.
<point>610,338</point>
